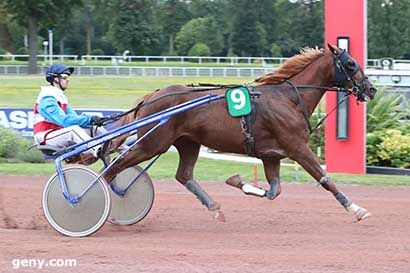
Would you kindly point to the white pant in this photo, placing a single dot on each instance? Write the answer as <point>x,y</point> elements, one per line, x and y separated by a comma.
<point>68,136</point>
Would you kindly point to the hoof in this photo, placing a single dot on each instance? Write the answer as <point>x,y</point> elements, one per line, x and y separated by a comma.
<point>235,181</point>
<point>271,195</point>
<point>273,192</point>
<point>362,214</point>
<point>214,206</point>
<point>218,215</point>
<point>358,212</point>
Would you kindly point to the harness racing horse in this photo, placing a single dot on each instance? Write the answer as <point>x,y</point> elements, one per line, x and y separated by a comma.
<point>280,128</point>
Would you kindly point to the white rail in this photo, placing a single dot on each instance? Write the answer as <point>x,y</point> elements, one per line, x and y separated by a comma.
<point>25,57</point>
<point>397,78</point>
<point>145,71</point>
<point>230,61</point>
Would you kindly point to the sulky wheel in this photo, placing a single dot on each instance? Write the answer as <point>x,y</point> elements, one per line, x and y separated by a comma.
<point>83,218</point>
<point>137,201</point>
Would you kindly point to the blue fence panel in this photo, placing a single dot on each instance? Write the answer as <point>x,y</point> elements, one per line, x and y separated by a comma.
<point>21,119</point>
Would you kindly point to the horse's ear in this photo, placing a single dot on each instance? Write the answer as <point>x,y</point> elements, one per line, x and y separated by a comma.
<point>335,51</point>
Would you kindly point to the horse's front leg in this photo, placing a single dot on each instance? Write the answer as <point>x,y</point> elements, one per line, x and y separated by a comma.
<point>272,167</point>
<point>307,160</point>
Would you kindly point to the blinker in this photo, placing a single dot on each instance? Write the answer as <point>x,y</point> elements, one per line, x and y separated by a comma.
<point>341,73</point>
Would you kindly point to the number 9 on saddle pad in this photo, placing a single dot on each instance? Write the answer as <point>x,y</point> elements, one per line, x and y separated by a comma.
<point>238,101</point>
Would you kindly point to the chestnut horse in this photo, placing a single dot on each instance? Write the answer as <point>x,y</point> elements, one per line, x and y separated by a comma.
<point>280,128</point>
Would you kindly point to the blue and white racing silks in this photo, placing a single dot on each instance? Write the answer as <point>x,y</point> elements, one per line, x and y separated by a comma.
<point>52,106</point>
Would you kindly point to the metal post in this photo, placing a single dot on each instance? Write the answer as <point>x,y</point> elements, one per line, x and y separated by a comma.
<point>45,44</point>
<point>50,46</point>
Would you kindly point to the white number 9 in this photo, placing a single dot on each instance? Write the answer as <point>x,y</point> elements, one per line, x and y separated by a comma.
<point>238,98</point>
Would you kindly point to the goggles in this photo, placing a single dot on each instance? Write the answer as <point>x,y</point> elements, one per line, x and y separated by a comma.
<point>64,76</point>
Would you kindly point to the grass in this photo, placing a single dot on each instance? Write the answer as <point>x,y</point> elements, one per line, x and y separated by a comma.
<point>120,93</point>
<point>94,92</point>
<point>165,168</point>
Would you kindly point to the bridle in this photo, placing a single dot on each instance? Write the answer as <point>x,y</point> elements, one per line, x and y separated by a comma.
<point>344,71</point>
<point>345,68</point>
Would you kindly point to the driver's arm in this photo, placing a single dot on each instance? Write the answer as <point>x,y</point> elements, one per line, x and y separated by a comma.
<point>50,110</point>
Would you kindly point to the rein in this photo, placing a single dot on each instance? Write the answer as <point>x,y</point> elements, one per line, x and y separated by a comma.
<point>302,104</point>
<point>135,109</point>
<point>320,122</point>
<point>332,89</point>
<point>211,87</point>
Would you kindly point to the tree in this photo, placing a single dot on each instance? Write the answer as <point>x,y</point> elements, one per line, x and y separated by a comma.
<point>388,28</point>
<point>199,49</point>
<point>312,29</point>
<point>89,24</point>
<point>301,24</point>
<point>199,30</point>
<point>220,14</point>
<point>268,17</point>
<point>275,50</point>
<point>242,27</point>
<point>6,40</point>
<point>208,8</point>
<point>248,34</point>
<point>80,34</point>
<point>32,14</point>
<point>135,27</point>
<point>174,14</point>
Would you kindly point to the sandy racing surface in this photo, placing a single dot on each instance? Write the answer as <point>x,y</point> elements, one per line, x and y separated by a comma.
<point>304,230</point>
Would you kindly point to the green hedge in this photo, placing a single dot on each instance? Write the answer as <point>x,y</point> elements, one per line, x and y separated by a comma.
<point>317,138</point>
<point>389,148</point>
<point>14,148</point>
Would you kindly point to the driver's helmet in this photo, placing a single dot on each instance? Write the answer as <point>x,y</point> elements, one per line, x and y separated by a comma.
<point>57,69</point>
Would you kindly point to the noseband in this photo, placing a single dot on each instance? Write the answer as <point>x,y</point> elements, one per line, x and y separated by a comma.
<point>342,75</point>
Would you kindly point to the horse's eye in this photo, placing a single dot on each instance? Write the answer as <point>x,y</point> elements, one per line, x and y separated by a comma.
<point>351,65</point>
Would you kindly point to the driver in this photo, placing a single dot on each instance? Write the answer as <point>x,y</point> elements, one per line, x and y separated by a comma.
<point>55,122</point>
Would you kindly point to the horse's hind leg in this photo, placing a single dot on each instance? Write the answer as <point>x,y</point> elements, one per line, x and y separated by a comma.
<point>306,159</point>
<point>138,154</point>
<point>188,155</point>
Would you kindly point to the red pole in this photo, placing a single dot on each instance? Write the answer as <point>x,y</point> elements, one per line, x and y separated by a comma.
<point>347,18</point>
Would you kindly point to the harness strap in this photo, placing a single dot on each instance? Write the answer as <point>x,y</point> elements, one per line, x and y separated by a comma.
<point>301,103</point>
<point>247,130</point>
<point>247,122</point>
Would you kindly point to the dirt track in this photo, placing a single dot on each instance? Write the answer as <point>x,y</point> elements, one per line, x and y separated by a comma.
<point>304,230</point>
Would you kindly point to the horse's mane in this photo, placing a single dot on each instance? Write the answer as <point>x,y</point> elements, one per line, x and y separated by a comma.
<point>292,66</point>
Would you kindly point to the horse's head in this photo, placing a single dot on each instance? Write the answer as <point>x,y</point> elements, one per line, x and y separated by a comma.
<point>348,74</point>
